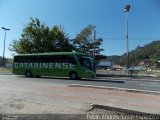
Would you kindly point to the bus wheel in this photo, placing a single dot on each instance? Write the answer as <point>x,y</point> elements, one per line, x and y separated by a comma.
<point>73,75</point>
<point>28,73</point>
<point>38,76</point>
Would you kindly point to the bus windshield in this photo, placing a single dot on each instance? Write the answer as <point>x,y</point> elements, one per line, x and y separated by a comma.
<point>86,62</point>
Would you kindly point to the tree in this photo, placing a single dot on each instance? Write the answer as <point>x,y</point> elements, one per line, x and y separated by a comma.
<point>84,41</point>
<point>100,57</point>
<point>39,38</point>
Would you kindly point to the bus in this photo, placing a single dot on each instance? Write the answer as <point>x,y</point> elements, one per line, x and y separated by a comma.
<point>75,65</point>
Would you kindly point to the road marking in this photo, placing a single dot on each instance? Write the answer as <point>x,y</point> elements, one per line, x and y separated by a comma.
<point>141,84</point>
<point>150,84</point>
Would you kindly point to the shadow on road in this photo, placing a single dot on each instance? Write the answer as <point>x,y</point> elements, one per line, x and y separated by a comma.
<point>101,80</point>
<point>112,75</point>
<point>91,80</point>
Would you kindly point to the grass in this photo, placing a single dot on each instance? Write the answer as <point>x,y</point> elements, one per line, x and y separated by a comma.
<point>6,70</point>
<point>134,73</point>
<point>157,74</point>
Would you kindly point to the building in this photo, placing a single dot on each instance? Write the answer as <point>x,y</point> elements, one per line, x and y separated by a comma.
<point>104,64</point>
<point>117,67</point>
<point>145,62</point>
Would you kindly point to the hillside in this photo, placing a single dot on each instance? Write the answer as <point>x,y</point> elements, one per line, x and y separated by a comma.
<point>148,51</point>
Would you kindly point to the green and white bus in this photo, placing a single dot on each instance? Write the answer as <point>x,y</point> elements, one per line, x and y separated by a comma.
<point>62,64</point>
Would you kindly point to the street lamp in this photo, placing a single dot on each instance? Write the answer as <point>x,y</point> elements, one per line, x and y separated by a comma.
<point>5,29</point>
<point>126,10</point>
<point>94,51</point>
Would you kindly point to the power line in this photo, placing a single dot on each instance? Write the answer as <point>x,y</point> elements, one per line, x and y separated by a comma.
<point>123,37</point>
<point>132,38</point>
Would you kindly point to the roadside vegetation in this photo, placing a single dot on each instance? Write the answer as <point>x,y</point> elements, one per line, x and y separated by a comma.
<point>134,73</point>
<point>149,51</point>
<point>6,70</point>
<point>143,61</point>
<point>7,63</point>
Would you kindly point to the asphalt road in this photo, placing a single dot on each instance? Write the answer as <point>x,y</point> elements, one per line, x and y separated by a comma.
<point>21,95</point>
<point>140,84</point>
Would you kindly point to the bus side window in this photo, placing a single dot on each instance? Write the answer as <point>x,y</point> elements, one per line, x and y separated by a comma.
<point>69,59</point>
<point>16,59</point>
<point>33,59</point>
<point>81,61</point>
<point>72,60</point>
<point>44,59</point>
<point>87,63</point>
<point>21,59</point>
<point>56,58</point>
<point>26,59</point>
<point>53,58</point>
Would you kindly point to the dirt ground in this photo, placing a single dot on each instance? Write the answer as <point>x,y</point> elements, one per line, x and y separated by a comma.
<point>93,114</point>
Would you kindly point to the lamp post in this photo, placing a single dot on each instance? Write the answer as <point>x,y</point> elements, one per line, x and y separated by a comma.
<point>94,40</point>
<point>126,10</point>
<point>94,50</point>
<point>5,29</point>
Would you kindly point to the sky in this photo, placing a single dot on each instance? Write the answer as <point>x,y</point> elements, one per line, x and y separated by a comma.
<point>107,15</point>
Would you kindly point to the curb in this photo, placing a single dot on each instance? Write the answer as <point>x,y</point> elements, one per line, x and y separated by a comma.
<point>115,88</point>
<point>129,79</point>
<point>123,75</point>
<point>126,111</point>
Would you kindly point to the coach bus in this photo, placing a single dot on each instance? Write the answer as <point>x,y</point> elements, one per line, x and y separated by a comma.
<point>62,64</point>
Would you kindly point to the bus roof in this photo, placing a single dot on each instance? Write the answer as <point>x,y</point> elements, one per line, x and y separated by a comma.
<point>53,53</point>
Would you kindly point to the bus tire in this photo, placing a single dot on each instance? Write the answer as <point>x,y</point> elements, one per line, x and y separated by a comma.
<point>73,75</point>
<point>28,73</point>
<point>38,76</point>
